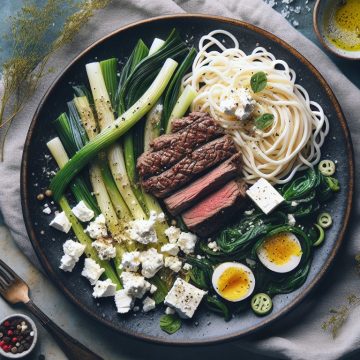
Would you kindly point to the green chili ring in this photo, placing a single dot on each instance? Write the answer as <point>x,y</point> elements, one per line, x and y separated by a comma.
<point>261,304</point>
<point>327,167</point>
<point>324,220</point>
<point>321,237</point>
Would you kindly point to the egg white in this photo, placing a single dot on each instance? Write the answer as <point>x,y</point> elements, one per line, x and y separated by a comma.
<point>290,265</point>
<point>224,266</point>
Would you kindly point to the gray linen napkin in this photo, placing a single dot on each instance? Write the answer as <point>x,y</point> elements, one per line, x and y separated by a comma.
<point>305,339</point>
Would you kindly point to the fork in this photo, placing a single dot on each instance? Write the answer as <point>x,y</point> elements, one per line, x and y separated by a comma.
<point>15,290</point>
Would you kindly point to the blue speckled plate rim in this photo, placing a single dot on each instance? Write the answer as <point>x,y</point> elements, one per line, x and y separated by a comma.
<point>270,319</point>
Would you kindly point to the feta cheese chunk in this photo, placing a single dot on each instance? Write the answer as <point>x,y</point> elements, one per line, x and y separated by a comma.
<point>171,249</point>
<point>291,220</point>
<point>134,284</point>
<point>47,210</point>
<point>173,263</point>
<point>104,288</point>
<point>82,212</point>
<point>212,245</point>
<point>131,261</point>
<point>172,234</point>
<point>187,267</point>
<point>148,304</point>
<point>97,228</point>
<point>73,249</point>
<point>151,262</point>
<point>123,302</point>
<point>153,289</point>
<point>239,104</point>
<point>92,270</point>
<point>67,263</point>
<point>61,222</point>
<point>264,195</point>
<point>187,242</point>
<point>184,298</point>
<point>143,231</point>
<point>169,311</point>
<point>104,248</point>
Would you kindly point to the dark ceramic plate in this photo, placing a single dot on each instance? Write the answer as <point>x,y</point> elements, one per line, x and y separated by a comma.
<point>47,242</point>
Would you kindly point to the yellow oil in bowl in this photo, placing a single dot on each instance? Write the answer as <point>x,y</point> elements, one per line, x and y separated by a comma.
<point>342,25</point>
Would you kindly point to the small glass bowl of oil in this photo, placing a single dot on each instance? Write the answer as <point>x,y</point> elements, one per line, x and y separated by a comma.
<point>337,25</point>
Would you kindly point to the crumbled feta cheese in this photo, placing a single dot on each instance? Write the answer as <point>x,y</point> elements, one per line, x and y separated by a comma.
<point>153,289</point>
<point>240,104</point>
<point>131,261</point>
<point>294,203</point>
<point>47,211</point>
<point>187,267</point>
<point>67,263</point>
<point>134,284</point>
<point>187,242</point>
<point>172,234</point>
<point>123,302</point>
<point>61,222</point>
<point>143,231</point>
<point>264,195</point>
<point>249,212</point>
<point>82,212</point>
<point>104,288</point>
<point>73,249</point>
<point>104,248</point>
<point>97,228</point>
<point>291,220</point>
<point>171,249</point>
<point>173,263</point>
<point>213,246</point>
<point>151,262</point>
<point>92,270</point>
<point>250,262</point>
<point>148,304</point>
<point>169,311</point>
<point>184,298</point>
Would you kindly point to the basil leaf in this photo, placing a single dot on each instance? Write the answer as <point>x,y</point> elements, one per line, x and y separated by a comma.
<point>170,323</point>
<point>264,121</point>
<point>258,81</point>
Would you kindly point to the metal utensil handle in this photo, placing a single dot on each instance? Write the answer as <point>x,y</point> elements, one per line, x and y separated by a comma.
<point>71,347</point>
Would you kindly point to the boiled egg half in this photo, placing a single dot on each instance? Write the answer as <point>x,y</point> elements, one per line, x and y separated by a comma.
<point>280,253</point>
<point>233,281</point>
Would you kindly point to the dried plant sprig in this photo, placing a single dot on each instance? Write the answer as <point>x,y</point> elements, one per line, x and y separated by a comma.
<point>31,50</point>
<point>339,316</point>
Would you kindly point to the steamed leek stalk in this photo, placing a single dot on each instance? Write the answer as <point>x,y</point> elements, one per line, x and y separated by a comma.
<point>59,154</point>
<point>114,131</point>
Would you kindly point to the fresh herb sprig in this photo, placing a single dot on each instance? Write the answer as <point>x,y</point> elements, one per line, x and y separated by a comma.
<point>31,50</point>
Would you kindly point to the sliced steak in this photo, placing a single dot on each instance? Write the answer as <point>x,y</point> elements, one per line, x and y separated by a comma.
<point>201,159</point>
<point>179,124</point>
<point>213,212</point>
<point>208,183</point>
<point>171,148</point>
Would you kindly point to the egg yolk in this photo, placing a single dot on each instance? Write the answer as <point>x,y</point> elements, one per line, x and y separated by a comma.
<point>233,283</point>
<point>280,248</point>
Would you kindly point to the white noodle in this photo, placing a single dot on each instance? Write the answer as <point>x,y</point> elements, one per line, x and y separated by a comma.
<point>300,126</point>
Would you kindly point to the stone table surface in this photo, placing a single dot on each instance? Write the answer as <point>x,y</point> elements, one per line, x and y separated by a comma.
<point>112,346</point>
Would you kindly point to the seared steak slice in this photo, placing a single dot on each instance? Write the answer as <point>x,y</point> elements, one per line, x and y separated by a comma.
<point>201,159</point>
<point>208,183</point>
<point>179,124</point>
<point>169,149</point>
<point>210,214</point>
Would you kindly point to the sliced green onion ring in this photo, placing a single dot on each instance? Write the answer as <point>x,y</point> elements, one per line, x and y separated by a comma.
<point>324,220</point>
<point>321,237</point>
<point>261,304</point>
<point>327,167</point>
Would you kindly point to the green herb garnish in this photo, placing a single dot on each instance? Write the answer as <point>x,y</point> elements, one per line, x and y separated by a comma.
<point>258,81</point>
<point>264,121</point>
<point>170,323</point>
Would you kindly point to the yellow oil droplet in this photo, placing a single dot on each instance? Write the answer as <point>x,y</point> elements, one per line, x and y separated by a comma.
<point>280,248</point>
<point>233,283</point>
<point>343,25</point>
